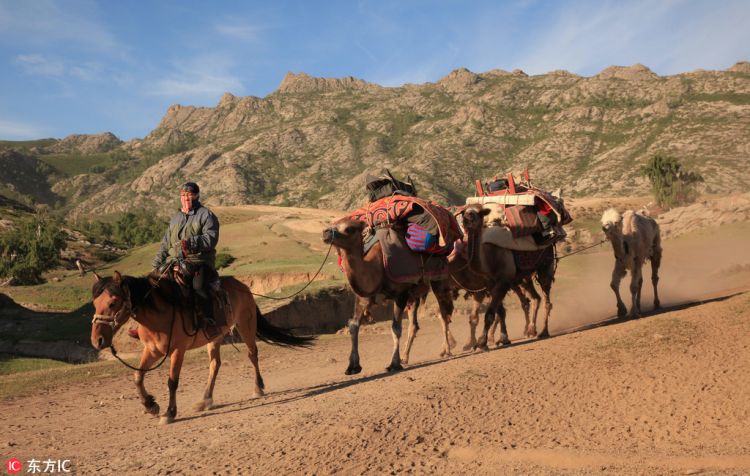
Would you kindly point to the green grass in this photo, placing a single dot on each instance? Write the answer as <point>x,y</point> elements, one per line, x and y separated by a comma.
<point>10,364</point>
<point>25,144</point>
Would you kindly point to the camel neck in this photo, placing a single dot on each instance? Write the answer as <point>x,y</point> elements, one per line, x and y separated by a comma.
<point>474,238</point>
<point>358,270</point>
<point>618,246</point>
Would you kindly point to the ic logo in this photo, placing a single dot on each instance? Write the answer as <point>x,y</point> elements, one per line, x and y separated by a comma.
<point>13,466</point>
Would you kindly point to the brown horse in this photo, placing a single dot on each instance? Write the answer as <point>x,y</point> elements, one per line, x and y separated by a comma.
<point>165,330</point>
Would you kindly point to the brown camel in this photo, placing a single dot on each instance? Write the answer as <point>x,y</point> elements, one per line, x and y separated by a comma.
<point>476,286</point>
<point>367,277</point>
<point>165,330</point>
<point>498,265</point>
<point>635,238</point>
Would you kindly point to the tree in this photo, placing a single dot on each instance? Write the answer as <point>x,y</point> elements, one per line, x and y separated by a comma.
<point>671,184</point>
<point>29,250</point>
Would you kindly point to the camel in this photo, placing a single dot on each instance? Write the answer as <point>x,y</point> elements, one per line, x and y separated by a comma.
<point>635,238</point>
<point>165,330</point>
<point>476,286</point>
<point>499,267</point>
<point>367,277</point>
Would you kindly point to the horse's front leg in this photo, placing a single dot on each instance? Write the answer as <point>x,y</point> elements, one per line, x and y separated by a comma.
<point>175,365</point>
<point>147,360</point>
<point>214,363</point>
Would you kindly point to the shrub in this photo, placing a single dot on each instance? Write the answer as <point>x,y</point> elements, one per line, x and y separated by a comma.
<point>671,184</point>
<point>31,249</point>
<point>223,260</point>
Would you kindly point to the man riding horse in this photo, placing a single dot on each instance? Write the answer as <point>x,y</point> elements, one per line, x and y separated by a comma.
<point>190,245</point>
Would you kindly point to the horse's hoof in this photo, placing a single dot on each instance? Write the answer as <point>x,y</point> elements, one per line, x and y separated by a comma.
<point>153,410</point>
<point>621,312</point>
<point>657,305</point>
<point>353,369</point>
<point>206,404</point>
<point>394,368</point>
<point>166,420</point>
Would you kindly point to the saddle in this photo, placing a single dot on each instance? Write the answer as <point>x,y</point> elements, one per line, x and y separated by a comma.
<point>181,275</point>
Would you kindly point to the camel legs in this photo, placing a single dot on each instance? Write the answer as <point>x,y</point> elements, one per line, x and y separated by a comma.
<point>477,299</point>
<point>442,292</point>
<point>413,328</point>
<point>636,283</point>
<point>529,295</point>
<point>175,365</point>
<point>495,306</point>
<point>147,360</point>
<point>655,263</point>
<point>360,304</point>
<point>545,282</point>
<point>617,275</point>
<point>214,362</point>
<point>398,314</point>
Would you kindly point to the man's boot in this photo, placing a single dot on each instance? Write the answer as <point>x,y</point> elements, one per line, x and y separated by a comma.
<point>209,324</point>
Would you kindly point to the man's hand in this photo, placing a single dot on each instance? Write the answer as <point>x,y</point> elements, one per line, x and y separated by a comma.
<point>181,249</point>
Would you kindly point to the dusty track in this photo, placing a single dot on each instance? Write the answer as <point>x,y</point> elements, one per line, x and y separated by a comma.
<point>666,394</point>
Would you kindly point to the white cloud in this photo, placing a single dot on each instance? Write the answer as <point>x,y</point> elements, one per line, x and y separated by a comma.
<point>201,77</point>
<point>41,65</point>
<point>37,64</point>
<point>238,31</point>
<point>14,130</point>
<point>47,22</point>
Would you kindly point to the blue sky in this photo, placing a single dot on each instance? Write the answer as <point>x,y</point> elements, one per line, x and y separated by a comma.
<point>85,66</point>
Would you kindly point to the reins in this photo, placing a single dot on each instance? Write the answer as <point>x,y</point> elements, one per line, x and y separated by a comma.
<point>166,354</point>
<point>325,260</point>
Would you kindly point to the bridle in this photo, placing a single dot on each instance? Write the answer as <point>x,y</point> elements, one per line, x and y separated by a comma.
<point>114,320</point>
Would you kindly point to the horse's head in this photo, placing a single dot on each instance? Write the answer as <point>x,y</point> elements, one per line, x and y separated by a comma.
<point>472,218</point>
<point>611,223</point>
<point>346,234</point>
<point>112,308</point>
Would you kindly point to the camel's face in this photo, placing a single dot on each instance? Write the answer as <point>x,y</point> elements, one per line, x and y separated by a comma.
<point>345,234</point>
<point>473,218</point>
<point>611,223</point>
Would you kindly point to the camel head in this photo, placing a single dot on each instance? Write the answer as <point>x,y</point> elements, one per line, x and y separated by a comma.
<point>472,217</point>
<point>612,223</point>
<point>346,234</point>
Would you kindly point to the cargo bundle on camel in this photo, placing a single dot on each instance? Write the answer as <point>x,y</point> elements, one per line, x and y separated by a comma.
<point>510,231</point>
<point>396,246</point>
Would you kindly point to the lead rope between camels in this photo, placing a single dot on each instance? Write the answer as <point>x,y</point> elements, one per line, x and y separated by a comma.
<point>325,260</point>
<point>558,258</point>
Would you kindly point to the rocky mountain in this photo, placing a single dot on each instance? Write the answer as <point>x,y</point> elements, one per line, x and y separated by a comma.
<point>313,140</point>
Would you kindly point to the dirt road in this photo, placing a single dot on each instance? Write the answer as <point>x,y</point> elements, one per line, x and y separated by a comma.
<point>666,394</point>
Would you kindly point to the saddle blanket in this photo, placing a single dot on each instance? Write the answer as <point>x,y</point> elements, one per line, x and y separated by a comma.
<point>397,208</point>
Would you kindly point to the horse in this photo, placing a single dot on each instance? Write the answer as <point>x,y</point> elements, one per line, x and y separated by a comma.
<point>157,306</point>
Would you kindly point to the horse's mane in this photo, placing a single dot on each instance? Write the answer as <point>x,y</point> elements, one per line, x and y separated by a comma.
<point>143,290</point>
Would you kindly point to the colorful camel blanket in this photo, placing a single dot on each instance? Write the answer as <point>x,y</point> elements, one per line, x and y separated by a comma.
<point>398,207</point>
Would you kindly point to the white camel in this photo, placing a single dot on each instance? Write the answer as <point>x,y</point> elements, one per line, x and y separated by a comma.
<point>635,238</point>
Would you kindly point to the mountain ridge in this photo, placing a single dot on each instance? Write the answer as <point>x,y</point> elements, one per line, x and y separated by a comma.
<point>312,141</point>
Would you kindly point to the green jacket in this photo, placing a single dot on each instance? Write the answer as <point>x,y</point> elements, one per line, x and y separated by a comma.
<point>200,228</point>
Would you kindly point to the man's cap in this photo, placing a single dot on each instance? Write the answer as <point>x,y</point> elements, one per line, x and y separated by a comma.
<point>191,187</point>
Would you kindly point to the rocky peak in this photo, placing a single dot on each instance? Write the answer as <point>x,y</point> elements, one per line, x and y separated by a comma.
<point>459,79</point>
<point>302,83</point>
<point>227,99</point>
<point>87,143</point>
<point>637,72</point>
<point>740,67</point>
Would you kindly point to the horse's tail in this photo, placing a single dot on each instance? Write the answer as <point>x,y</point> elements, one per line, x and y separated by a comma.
<point>271,334</point>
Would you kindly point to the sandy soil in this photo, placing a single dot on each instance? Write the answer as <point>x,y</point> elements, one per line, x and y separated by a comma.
<point>666,394</point>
